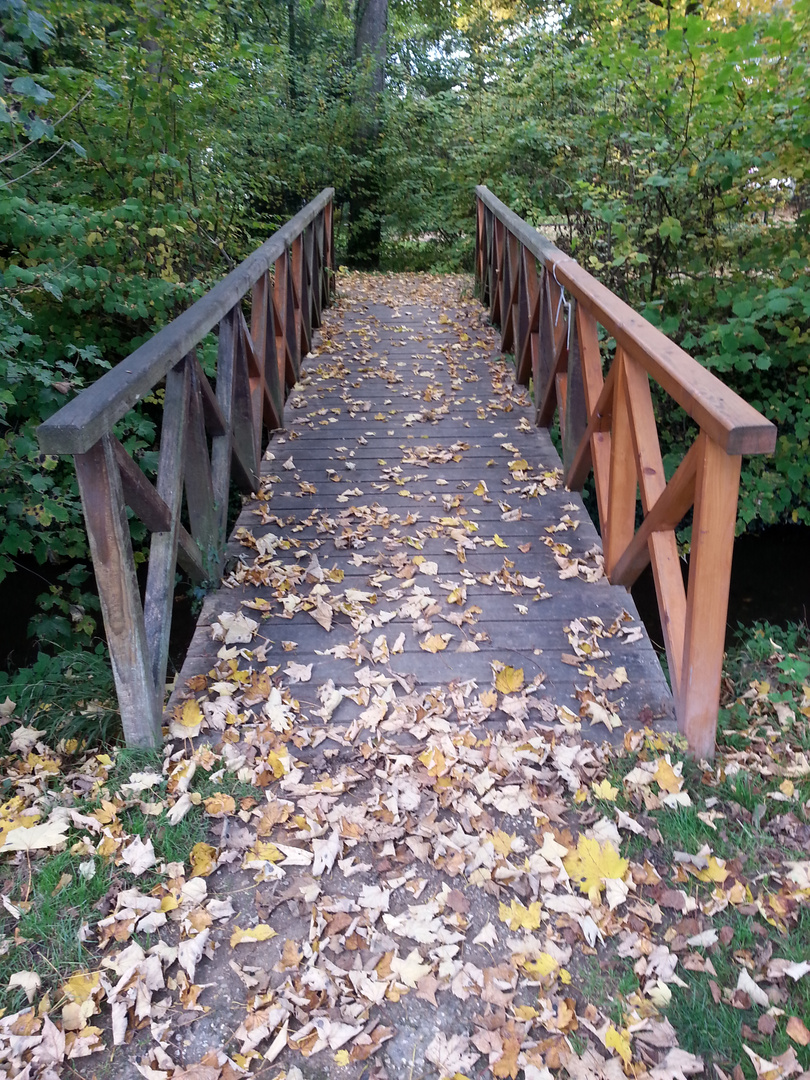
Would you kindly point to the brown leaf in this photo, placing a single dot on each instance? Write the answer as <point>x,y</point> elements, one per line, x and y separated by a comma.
<point>798,1031</point>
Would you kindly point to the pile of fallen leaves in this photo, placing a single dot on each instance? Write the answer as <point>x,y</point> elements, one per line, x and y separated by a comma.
<point>379,881</point>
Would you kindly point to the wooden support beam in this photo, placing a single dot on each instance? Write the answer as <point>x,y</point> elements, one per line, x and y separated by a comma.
<point>114,567</point>
<point>623,483</point>
<point>716,489</point>
<point>159,595</point>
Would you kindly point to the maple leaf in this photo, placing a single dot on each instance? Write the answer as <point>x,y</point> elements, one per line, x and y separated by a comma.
<point>435,642</point>
<point>187,721</point>
<point>27,981</point>
<point>203,859</point>
<point>620,1042</point>
<point>592,863</point>
<point>451,1054</point>
<point>518,916</point>
<point>410,970</point>
<point>605,790</point>
<point>509,680</point>
<point>49,834</point>
<point>298,673</point>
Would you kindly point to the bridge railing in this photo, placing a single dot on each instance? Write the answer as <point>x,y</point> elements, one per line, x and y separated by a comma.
<point>210,434</point>
<point>550,310</point>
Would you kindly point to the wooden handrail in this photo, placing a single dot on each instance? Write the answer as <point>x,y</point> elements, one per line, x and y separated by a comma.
<point>209,436</point>
<point>550,311</point>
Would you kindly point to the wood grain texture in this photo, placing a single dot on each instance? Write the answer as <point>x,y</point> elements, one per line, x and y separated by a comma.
<point>114,566</point>
<point>401,385</point>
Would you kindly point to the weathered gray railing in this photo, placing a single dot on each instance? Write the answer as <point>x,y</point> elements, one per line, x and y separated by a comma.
<point>209,435</point>
<point>608,423</point>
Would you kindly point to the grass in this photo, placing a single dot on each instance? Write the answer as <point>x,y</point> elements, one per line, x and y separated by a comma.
<point>716,1030</point>
<point>60,900</point>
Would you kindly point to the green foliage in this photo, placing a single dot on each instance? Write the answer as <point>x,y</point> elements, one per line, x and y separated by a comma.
<point>67,696</point>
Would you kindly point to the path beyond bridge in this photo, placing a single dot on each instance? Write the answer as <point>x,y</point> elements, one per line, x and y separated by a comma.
<point>413,552</point>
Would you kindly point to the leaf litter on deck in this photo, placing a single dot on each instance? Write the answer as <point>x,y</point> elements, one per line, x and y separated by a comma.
<point>423,857</point>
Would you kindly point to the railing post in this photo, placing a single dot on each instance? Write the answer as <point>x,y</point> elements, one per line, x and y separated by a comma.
<point>114,566</point>
<point>716,489</point>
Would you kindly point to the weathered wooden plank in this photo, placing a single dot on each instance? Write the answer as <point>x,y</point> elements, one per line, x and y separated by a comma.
<point>159,595</point>
<point>200,500</point>
<point>114,567</point>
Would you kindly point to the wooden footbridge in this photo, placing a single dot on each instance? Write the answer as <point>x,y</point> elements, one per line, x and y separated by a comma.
<point>410,515</point>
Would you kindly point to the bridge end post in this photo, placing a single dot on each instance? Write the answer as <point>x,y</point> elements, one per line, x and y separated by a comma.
<point>715,514</point>
<point>114,565</point>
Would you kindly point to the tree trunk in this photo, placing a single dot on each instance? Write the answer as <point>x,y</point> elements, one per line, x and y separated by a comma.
<point>365,227</point>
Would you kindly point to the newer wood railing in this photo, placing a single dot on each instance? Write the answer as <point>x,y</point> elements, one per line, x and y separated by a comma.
<point>608,424</point>
<point>209,436</point>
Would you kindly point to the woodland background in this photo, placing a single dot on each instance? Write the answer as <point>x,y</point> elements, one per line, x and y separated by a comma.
<point>146,147</point>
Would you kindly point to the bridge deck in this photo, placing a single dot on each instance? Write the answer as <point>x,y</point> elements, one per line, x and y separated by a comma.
<point>412,506</point>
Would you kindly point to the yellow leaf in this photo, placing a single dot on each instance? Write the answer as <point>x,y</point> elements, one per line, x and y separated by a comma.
<point>544,965</point>
<point>666,777</point>
<point>620,1042</point>
<point>203,859</point>
<point>262,932</point>
<point>277,764</point>
<point>509,680</point>
<point>434,761</point>
<point>715,871</point>
<point>220,805</point>
<point>481,488</point>
<point>605,790</point>
<point>592,863</point>
<point>517,916</point>
<point>565,976</point>
<point>526,1012</point>
<point>498,542</point>
<point>435,642</point>
<point>342,1057</point>
<point>519,465</point>
<point>190,715</point>
<point>82,987</point>
<point>502,841</point>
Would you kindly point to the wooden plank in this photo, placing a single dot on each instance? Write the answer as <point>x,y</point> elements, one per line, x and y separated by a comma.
<point>159,596</point>
<point>200,501</point>
<point>529,315</point>
<point>222,445</point>
<point>114,567</point>
<point>667,513</point>
<point>509,293</point>
<point>553,353</point>
<point>245,446</point>
<point>80,423</point>
<point>139,494</point>
<point>496,263</point>
<point>662,546</point>
<point>594,449</point>
<point>621,518</point>
<point>716,489</point>
<point>575,408</point>
<point>214,420</point>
